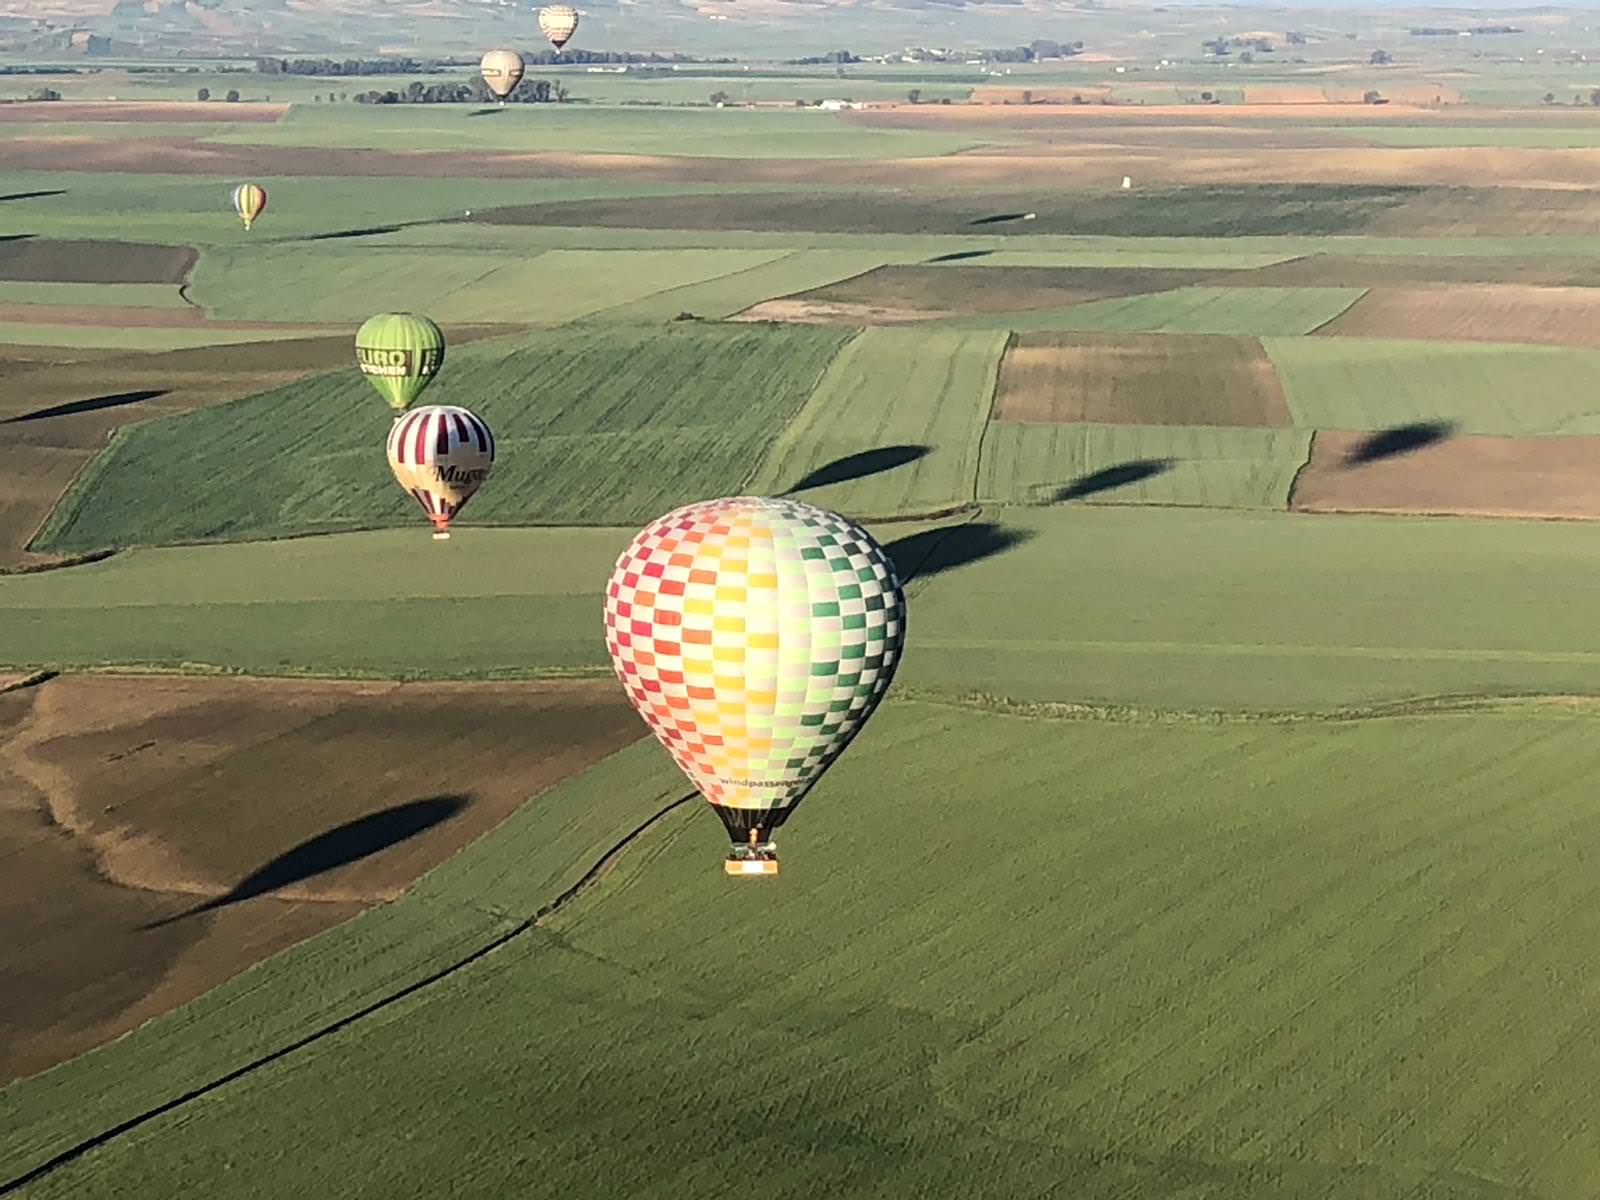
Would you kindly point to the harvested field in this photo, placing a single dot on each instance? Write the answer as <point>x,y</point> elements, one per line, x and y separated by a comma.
<point>951,289</point>
<point>1471,475</point>
<point>1133,379</point>
<point>63,261</point>
<point>142,112</point>
<point>1551,316</point>
<point>823,312</point>
<point>249,806</point>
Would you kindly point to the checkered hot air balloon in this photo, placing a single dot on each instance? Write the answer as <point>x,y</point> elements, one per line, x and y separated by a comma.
<point>249,201</point>
<point>441,455</point>
<point>755,637</point>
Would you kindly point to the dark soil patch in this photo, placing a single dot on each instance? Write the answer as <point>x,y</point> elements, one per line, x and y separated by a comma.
<point>50,260</point>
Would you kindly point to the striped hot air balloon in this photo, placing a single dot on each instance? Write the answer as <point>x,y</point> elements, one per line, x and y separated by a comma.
<point>249,201</point>
<point>441,454</point>
<point>558,22</point>
<point>755,637</point>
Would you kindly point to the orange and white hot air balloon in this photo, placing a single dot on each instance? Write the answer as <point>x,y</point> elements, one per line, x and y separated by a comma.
<point>755,637</point>
<point>441,454</point>
<point>249,201</point>
<point>558,22</point>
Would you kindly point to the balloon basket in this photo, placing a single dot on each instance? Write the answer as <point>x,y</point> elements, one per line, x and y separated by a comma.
<point>754,858</point>
<point>441,535</point>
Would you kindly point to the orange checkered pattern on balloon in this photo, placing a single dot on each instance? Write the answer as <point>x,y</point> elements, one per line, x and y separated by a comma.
<point>754,636</point>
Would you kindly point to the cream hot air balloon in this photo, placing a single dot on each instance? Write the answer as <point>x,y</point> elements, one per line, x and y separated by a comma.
<point>441,454</point>
<point>755,637</point>
<point>502,71</point>
<point>249,201</point>
<point>558,22</point>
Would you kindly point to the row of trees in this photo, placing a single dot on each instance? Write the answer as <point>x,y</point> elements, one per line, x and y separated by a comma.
<point>529,91</point>
<point>436,66</point>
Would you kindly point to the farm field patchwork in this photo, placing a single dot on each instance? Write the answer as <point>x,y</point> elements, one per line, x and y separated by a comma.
<point>1371,383</point>
<point>1321,944</point>
<point>894,426</point>
<point>1156,379</point>
<point>674,414</point>
<point>1554,316</point>
<point>1262,311</point>
<point>1027,462</point>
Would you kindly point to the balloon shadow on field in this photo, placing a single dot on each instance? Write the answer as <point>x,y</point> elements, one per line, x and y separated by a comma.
<point>933,551</point>
<point>486,112</point>
<point>860,465</point>
<point>1402,439</point>
<point>997,218</point>
<point>338,847</point>
<point>95,404</point>
<point>960,256</point>
<point>33,195</point>
<point>1108,478</point>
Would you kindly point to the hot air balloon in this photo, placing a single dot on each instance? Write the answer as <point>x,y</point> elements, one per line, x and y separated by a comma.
<point>441,454</point>
<point>558,22</point>
<point>249,201</point>
<point>400,353</point>
<point>755,637</point>
<point>502,71</point>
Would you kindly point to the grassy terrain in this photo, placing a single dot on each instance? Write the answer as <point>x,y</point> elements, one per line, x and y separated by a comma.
<point>139,337</point>
<point>1292,954</point>
<point>1366,383</point>
<point>341,282</point>
<point>1173,608</point>
<point>727,294</point>
<point>1028,463</point>
<point>919,389</point>
<point>708,132</point>
<point>1257,311</point>
<point>1203,609</point>
<point>130,295</point>
<point>594,426</point>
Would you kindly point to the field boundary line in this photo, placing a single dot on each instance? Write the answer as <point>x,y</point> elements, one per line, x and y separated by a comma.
<point>1449,705</point>
<point>1311,453</point>
<point>988,415</point>
<point>1324,324</point>
<point>811,394</point>
<point>596,870</point>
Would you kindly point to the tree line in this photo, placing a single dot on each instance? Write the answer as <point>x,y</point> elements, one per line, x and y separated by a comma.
<point>437,66</point>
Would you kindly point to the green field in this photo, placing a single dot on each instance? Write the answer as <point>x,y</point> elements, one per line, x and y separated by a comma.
<point>1251,961</point>
<point>1367,383</point>
<point>1199,465</point>
<point>1167,608</point>
<point>594,426</point>
<point>926,391</point>
<point>1264,311</point>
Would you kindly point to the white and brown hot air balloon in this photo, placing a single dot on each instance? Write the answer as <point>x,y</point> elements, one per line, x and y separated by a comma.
<point>502,71</point>
<point>441,454</point>
<point>558,22</point>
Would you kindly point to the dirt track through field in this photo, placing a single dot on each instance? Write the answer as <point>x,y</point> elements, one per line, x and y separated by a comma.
<point>1467,475</point>
<point>1140,379</point>
<point>286,806</point>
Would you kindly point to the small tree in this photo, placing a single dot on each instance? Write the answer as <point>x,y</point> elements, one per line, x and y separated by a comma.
<point>719,97</point>
<point>44,93</point>
<point>233,96</point>
<point>203,94</point>
<point>1372,97</point>
<point>1247,58</point>
<point>1208,97</point>
<point>914,96</point>
<point>1027,95</point>
<point>1594,97</point>
<point>1380,58</point>
<point>1549,97</point>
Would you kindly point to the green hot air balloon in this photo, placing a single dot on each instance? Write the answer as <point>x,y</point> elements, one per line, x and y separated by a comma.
<point>400,353</point>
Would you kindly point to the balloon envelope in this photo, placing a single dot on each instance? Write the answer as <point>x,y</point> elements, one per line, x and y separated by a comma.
<point>755,637</point>
<point>441,454</point>
<point>400,353</point>
<point>502,71</point>
<point>558,22</point>
<point>249,201</point>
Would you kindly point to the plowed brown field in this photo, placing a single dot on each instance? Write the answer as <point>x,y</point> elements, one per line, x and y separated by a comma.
<point>1554,316</point>
<point>285,806</point>
<point>36,260</point>
<point>1139,379</point>
<point>1473,475</point>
